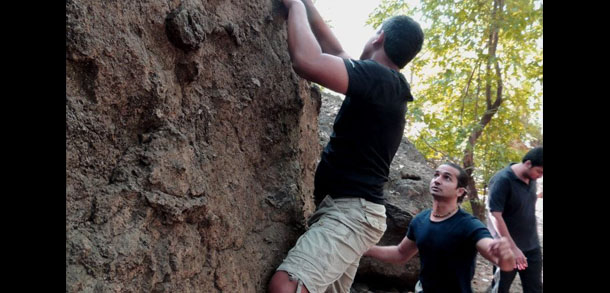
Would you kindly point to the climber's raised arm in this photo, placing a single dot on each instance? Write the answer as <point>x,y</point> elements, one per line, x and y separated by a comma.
<point>327,40</point>
<point>308,59</point>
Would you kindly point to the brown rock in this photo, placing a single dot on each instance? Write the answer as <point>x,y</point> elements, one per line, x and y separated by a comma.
<point>171,157</point>
<point>184,28</point>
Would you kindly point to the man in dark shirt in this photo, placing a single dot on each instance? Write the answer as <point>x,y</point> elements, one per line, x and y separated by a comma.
<point>447,238</point>
<point>512,207</point>
<point>350,215</point>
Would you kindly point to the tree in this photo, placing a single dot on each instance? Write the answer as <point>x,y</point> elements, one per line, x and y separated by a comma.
<point>479,83</point>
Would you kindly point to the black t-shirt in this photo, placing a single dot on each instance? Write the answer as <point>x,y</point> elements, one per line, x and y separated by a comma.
<point>517,202</point>
<point>366,134</point>
<point>447,250</point>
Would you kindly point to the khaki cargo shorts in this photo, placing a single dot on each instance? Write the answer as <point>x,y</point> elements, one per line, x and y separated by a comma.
<point>326,257</point>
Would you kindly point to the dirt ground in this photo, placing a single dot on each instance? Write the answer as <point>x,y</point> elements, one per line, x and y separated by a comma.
<point>483,272</point>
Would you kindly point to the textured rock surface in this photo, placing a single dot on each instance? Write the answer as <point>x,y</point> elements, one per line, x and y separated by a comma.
<point>190,147</point>
<point>407,194</point>
<point>185,28</point>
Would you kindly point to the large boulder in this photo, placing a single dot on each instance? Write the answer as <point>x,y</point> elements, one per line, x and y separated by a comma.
<point>407,194</point>
<point>191,145</point>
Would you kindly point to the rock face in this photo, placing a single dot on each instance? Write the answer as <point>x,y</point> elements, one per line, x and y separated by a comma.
<point>190,145</point>
<point>407,194</point>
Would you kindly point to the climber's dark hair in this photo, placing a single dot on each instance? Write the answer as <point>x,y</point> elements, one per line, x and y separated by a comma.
<point>403,39</point>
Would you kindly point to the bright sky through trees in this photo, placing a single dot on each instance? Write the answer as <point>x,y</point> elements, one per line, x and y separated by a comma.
<point>347,19</point>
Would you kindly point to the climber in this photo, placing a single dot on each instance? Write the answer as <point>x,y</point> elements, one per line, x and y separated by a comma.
<point>350,215</point>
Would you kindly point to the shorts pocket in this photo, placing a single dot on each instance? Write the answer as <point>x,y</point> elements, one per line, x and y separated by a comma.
<point>334,226</point>
<point>375,221</point>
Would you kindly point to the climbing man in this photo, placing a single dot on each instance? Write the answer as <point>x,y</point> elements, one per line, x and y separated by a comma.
<point>350,215</point>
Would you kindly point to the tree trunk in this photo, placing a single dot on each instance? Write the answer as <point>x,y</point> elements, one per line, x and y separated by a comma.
<point>478,206</point>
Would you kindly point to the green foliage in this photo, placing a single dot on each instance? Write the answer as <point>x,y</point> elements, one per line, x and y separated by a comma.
<point>386,9</point>
<point>451,76</point>
<point>466,206</point>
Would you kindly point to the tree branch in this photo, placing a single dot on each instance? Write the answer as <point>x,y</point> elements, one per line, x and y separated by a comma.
<point>447,157</point>
<point>466,91</point>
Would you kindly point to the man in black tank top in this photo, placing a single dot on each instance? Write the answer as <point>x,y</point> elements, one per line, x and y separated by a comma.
<point>350,215</point>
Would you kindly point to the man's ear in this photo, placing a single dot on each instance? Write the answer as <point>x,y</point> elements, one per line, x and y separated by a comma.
<point>379,39</point>
<point>462,190</point>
